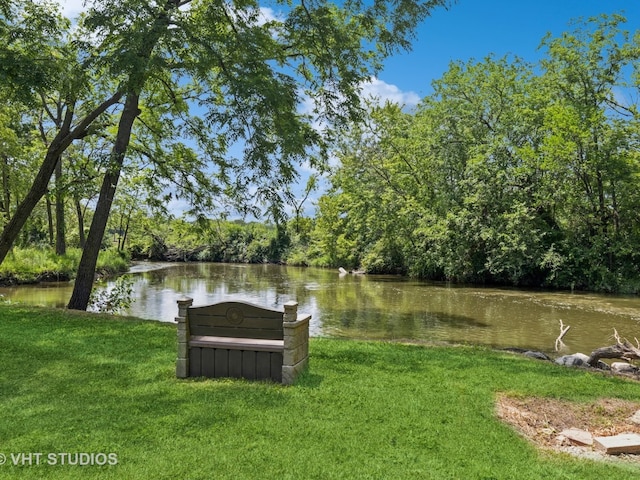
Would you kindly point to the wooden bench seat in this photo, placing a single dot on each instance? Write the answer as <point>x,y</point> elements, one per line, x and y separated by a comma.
<point>232,343</point>
<point>241,340</point>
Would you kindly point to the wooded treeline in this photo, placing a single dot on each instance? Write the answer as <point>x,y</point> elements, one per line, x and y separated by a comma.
<point>510,172</point>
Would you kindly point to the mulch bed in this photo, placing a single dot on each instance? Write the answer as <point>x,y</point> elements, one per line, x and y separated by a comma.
<point>541,420</point>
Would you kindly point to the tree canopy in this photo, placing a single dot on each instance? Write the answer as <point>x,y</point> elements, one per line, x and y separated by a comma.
<point>508,173</point>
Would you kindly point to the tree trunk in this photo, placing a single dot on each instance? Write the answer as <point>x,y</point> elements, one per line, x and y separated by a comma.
<point>61,244</point>
<point>614,205</point>
<point>87,267</point>
<point>623,349</point>
<point>39,187</point>
<point>86,270</point>
<point>49,218</point>
<point>80,215</point>
<point>126,231</point>
<point>120,229</point>
<point>602,208</point>
<point>37,191</point>
<point>6,193</point>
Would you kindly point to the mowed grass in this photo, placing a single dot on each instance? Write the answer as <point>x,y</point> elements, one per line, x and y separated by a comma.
<point>84,383</point>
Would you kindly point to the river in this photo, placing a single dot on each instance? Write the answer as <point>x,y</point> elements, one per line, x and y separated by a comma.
<point>377,306</point>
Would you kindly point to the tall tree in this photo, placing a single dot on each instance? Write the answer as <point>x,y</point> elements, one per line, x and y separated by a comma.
<point>248,73</point>
<point>591,145</point>
<point>61,243</point>
<point>79,106</point>
<point>502,175</point>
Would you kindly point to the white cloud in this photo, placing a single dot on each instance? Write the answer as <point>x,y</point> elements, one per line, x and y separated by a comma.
<point>375,90</point>
<point>269,15</point>
<point>72,8</point>
<point>381,92</point>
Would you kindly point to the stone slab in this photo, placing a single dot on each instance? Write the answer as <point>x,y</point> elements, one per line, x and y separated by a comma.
<point>576,435</point>
<point>635,418</point>
<point>624,443</point>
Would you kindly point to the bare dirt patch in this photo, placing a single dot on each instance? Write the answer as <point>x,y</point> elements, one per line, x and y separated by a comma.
<point>542,420</point>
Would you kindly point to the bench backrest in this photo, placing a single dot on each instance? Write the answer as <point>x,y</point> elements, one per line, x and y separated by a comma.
<point>235,319</point>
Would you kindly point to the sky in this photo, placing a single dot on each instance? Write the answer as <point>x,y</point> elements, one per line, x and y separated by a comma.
<point>472,29</point>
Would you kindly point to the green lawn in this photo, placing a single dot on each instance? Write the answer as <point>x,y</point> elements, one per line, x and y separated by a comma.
<point>80,383</point>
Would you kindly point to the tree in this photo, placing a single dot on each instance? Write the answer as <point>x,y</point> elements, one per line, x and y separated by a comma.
<point>14,137</point>
<point>592,141</point>
<point>375,193</point>
<point>77,108</point>
<point>501,175</point>
<point>248,73</point>
<point>298,203</point>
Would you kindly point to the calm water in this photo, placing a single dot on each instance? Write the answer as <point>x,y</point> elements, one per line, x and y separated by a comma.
<point>378,307</point>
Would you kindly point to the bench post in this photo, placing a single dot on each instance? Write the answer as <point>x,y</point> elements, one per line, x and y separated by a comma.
<point>182,363</point>
<point>296,343</point>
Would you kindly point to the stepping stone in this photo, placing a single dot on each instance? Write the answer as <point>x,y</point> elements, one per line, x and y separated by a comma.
<point>635,418</point>
<point>577,435</point>
<point>617,444</point>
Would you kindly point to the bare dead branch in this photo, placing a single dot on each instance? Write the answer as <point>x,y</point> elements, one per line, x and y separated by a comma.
<point>563,331</point>
<point>623,349</point>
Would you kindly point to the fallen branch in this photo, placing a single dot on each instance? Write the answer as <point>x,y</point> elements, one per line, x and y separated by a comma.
<point>623,349</point>
<point>563,331</point>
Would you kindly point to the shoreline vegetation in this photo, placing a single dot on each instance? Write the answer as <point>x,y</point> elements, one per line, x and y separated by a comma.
<point>79,382</point>
<point>33,265</point>
<point>36,265</point>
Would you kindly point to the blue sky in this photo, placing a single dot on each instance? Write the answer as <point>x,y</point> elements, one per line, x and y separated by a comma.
<point>477,28</point>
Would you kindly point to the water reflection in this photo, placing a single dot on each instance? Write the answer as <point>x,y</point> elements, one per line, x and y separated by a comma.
<point>378,307</point>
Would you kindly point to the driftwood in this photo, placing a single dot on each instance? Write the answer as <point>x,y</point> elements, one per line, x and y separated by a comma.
<point>623,349</point>
<point>563,331</point>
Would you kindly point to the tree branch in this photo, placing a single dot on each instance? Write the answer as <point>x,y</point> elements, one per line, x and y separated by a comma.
<point>623,349</point>
<point>563,331</point>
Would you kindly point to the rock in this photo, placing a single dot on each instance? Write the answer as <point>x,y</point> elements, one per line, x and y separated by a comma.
<point>580,360</point>
<point>635,418</point>
<point>624,368</point>
<point>575,360</point>
<point>537,355</point>
<point>8,281</point>
<point>515,350</point>
<point>624,443</point>
<point>576,435</point>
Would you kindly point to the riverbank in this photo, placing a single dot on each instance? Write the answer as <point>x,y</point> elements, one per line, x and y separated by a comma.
<point>24,266</point>
<point>78,382</point>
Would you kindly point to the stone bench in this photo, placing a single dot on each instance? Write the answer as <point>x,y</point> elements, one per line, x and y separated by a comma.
<point>241,340</point>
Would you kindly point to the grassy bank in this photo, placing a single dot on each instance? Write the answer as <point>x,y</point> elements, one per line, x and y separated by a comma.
<point>79,383</point>
<point>30,265</point>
